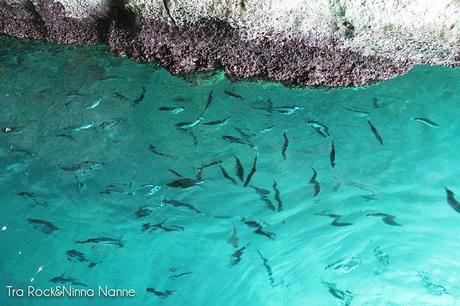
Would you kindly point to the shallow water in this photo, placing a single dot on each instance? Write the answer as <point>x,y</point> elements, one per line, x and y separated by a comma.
<point>77,104</point>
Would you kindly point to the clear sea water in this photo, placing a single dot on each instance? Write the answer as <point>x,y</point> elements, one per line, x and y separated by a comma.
<point>62,106</point>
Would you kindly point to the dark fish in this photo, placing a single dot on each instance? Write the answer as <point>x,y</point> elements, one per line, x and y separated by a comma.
<point>125,189</point>
<point>452,201</point>
<point>153,227</point>
<point>184,183</point>
<point>33,196</point>
<point>386,218</point>
<point>67,280</point>
<point>188,125</point>
<point>345,296</point>
<point>175,172</point>
<point>161,294</point>
<point>251,172</point>
<point>140,97</point>
<point>236,256</point>
<point>233,240</point>
<point>110,124</point>
<point>243,134</point>
<point>172,109</point>
<point>332,155</point>
<point>43,226</point>
<point>13,130</point>
<point>208,102</point>
<point>68,136</point>
<point>258,229</point>
<point>315,183</point>
<point>176,203</point>
<point>427,122</point>
<point>105,240</point>
<point>217,122</point>
<point>154,150</point>
<point>263,193</point>
<point>239,168</point>
<point>336,218</point>
<point>83,166</point>
<point>267,268</point>
<point>23,152</point>
<point>232,94</point>
<point>76,256</point>
<point>285,145</point>
<point>233,139</point>
<point>226,175</point>
<point>277,196</point>
<point>358,112</point>
<point>144,211</point>
<point>319,127</point>
<point>375,132</point>
<point>174,277</point>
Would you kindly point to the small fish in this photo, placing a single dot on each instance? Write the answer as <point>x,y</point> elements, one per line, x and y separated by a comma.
<point>79,128</point>
<point>358,112</point>
<point>336,218</point>
<point>427,122</point>
<point>251,172</point>
<point>258,228</point>
<point>236,256</point>
<point>268,128</point>
<point>95,103</point>
<point>144,211</point>
<point>105,240</point>
<point>140,97</point>
<point>277,196</point>
<point>188,125</point>
<point>315,183</point>
<point>285,146</point>
<point>174,277</point>
<point>176,203</point>
<point>267,268</point>
<point>74,255</point>
<point>208,102</point>
<point>233,139</point>
<point>184,183</point>
<point>239,168</point>
<point>171,109</point>
<point>226,175</point>
<point>345,296</point>
<point>43,226</point>
<point>24,152</point>
<point>232,94</point>
<point>110,124</point>
<point>375,132</point>
<point>161,294</point>
<point>13,130</point>
<point>233,240</point>
<point>68,136</point>
<point>263,193</point>
<point>33,196</point>
<point>452,201</point>
<point>217,122</point>
<point>175,172</point>
<point>287,110</point>
<point>84,166</point>
<point>67,280</point>
<point>332,155</point>
<point>154,227</point>
<point>430,285</point>
<point>154,150</point>
<point>319,128</point>
<point>386,218</point>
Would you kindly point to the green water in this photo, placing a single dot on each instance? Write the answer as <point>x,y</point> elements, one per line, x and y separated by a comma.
<point>75,104</point>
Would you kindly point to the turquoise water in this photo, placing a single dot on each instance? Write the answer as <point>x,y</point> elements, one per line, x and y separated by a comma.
<point>86,153</point>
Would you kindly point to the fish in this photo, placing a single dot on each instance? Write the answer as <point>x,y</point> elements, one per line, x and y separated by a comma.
<point>95,103</point>
<point>84,166</point>
<point>237,140</point>
<point>221,122</point>
<point>24,152</point>
<point>177,203</point>
<point>315,183</point>
<point>33,196</point>
<point>67,280</point>
<point>233,240</point>
<point>154,227</point>
<point>386,218</point>
<point>140,97</point>
<point>226,175</point>
<point>285,146</point>
<point>110,124</point>
<point>319,127</point>
<point>287,110</point>
<point>376,133</point>
<point>174,277</point>
<point>268,128</point>
<point>332,155</point>
<point>263,193</point>
<point>161,294</point>
<point>345,296</point>
<point>430,285</point>
<point>251,172</point>
<point>239,168</point>
<point>144,211</point>
<point>208,102</point>
<point>232,94</point>
<point>236,256</point>
<point>175,172</point>
<point>13,129</point>
<point>452,201</point>
<point>267,268</point>
<point>68,136</point>
<point>426,121</point>
<point>74,255</point>
<point>184,183</point>
<point>359,113</point>
<point>258,229</point>
<point>154,150</point>
<point>336,218</point>
<point>79,128</point>
<point>109,189</point>
<point>43,226</point>
<point>171,109</point>
<point>277,196</point>
<point>105,240</point>
<point>188,125</point>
